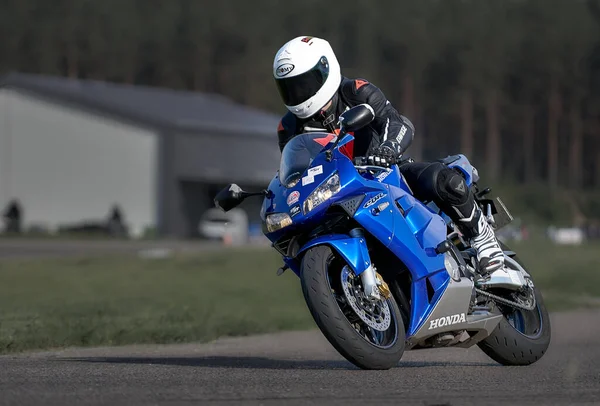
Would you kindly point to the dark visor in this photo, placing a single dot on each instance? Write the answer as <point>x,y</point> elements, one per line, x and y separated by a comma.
<point>298,89</point>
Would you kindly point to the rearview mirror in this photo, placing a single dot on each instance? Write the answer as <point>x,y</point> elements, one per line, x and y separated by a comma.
<point>230,197</point>
<point>356,118</point>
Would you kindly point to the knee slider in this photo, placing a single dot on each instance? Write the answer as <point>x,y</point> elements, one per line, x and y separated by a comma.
<point>443,185</point>
<point>428,181</point>
<point>452,186</point>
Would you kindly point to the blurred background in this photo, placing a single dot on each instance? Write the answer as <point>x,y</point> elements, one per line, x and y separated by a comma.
<point>121,119</point>
<point>139,111</point>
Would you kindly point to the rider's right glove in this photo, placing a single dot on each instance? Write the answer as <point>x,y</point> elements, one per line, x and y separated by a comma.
<point>386,155</point>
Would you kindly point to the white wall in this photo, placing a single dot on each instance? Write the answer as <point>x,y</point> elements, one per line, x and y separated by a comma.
<point>66,166</point>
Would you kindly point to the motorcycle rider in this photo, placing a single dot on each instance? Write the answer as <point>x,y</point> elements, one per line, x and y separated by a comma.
<point>309,80</point>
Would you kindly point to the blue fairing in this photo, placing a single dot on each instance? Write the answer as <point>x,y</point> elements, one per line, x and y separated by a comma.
<point>352,249</point>
<point>388,211</point>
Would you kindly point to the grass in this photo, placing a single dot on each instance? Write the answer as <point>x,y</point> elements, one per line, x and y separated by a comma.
<point>113,301</point>
<point>123,300</point>
<point>569,276</point>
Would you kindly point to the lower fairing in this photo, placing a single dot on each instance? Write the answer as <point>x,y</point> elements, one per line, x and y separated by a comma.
<point>452,322</point>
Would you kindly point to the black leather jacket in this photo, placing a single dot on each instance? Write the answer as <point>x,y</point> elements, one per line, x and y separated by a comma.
<point>388,124</point>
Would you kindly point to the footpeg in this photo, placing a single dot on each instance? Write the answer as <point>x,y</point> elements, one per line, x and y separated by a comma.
<point>443,247</point>
<point>503,278</point>
<point>281,270</point>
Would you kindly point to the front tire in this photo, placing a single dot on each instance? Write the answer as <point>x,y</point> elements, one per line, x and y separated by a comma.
<point>522,337</point>
<point>324,296</point>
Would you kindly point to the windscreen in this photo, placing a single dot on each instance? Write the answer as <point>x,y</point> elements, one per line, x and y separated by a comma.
<point>298,154</point>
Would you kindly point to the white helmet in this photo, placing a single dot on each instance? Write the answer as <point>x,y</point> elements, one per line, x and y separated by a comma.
<point>307,74</point>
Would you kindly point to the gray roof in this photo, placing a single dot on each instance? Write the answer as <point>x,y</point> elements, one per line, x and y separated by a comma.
<point>162,108</point>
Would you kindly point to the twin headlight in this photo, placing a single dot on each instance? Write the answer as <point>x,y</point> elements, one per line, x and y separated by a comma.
<point>277,221</point>
<point>321,194</point>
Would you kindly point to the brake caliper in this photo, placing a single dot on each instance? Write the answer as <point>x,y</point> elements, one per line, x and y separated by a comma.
<point>384,289</point>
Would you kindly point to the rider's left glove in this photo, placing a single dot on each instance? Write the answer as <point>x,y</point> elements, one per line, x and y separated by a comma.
<point>385,154</point>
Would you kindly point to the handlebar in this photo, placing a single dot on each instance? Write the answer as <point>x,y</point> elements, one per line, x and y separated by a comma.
<point>361,163</point>
<point>371,168</point>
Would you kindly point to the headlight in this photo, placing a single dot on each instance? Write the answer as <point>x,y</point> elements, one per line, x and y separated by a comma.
<point>323,193</point>
<point>277,221</point>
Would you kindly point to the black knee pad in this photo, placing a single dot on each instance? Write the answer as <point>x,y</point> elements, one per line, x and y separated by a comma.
<point>452,186</point>
<point>443,184</point>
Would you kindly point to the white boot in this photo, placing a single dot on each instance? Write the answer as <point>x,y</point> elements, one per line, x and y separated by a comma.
<point>489,254</point>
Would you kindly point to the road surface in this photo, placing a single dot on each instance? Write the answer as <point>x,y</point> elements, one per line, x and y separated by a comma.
<point>302,368</point>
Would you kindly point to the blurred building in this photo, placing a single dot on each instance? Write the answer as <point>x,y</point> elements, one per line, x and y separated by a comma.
<point>72,149</point>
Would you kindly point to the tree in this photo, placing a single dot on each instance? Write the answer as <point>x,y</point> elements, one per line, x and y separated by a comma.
<point>485,46</point>
<point>407,54</point>
<point>508,80</point>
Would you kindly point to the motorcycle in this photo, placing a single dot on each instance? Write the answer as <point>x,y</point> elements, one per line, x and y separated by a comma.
<point>382,272</point>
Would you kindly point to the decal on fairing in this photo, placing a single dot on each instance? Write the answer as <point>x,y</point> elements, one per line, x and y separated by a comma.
<point>374,200</point>
<point>312,172</point>
<point>293,198</point>
<point>447,321</point>
<point>383,175</point>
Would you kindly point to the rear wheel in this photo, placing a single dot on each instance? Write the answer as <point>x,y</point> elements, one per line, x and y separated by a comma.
<point>369,334</point>
<point>523,336</point>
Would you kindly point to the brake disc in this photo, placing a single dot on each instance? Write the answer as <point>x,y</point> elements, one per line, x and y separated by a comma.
<point>374,314</point>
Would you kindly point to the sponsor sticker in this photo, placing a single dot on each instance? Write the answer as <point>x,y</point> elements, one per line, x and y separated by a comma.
<point>307,180</point>
<point>293,197</point>
<point>317,170</point>
<point>312,172</point>
<point>294,211</point>
<point>383,175</point>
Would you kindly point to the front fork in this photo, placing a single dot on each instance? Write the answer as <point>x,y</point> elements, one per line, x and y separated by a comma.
<point>372,282</point>
<point>353,250</point>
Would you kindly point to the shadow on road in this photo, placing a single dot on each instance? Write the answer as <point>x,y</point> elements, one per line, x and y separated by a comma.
<point>260,362</point>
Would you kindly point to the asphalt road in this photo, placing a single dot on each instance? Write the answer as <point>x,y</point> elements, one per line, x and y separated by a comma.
<point>302,368</point>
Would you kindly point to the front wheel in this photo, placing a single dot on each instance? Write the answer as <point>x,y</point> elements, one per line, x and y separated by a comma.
<point>369,335</point>
<point>523,336</point>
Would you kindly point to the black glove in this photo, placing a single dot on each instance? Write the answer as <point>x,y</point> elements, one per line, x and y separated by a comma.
<point>386,155</point>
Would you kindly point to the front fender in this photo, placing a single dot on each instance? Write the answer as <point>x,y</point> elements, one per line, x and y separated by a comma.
<point>352,249</point>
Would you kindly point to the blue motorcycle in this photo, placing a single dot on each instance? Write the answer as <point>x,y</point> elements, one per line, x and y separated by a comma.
<point>383,272</point>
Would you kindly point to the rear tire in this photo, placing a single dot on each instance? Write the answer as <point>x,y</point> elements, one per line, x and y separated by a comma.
<point>525,338</point>
<point>318,279</point>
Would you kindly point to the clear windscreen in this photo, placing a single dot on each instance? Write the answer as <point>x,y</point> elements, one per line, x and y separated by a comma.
<point>298,154</point>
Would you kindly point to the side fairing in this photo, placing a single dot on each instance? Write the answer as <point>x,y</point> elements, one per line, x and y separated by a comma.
<point>417,233</point>
<point>412,232</point>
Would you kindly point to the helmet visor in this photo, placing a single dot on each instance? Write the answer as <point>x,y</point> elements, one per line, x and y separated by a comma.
<point>298,89</point>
